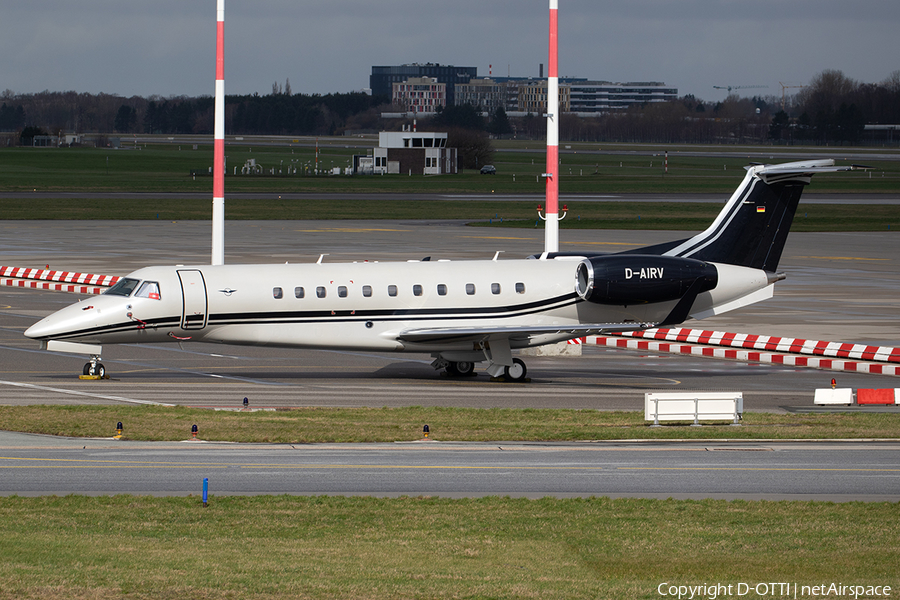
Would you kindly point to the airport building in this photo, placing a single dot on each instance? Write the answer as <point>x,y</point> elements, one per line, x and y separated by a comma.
<point>382,78</point>
<point>486,95</point>
<point>420,95</point>
<point>593,97</point>
<point>532,97</point>
<point>408,153</point>
<point>517,95</point>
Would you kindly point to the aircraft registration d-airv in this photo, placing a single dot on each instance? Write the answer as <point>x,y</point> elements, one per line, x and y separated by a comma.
<point>460,312</point>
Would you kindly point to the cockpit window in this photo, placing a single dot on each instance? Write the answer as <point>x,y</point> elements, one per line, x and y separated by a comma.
<point>123,287</point>
<point>148,289</point>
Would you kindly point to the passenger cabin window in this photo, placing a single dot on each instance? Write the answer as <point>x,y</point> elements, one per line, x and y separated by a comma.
<point>367,291</point>
<point>148,289</point>
<point>470,289</point>
<point>320,292</point>
<point>123,287</point>
<point>495,288</point>
<point>417,290</point>
<point>520,288</point>
<point>299,292</point>
<point>277,293</point>
<point>442,289</point>
<point>342,291</point>
<point>392,290</point>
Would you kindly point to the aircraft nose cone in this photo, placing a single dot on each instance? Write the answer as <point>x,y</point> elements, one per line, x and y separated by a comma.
<point>62,322</point>
<point>44,329</point>
<point>36,330</point>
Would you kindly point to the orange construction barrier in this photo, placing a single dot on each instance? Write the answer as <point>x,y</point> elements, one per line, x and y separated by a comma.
<point>864,396</point>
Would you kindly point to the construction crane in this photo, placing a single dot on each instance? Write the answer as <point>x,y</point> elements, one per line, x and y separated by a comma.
<point>738,87</point>
<point>784,87</point>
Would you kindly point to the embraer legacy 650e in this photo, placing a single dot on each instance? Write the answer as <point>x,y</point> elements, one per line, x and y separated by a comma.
<point>461,312</point>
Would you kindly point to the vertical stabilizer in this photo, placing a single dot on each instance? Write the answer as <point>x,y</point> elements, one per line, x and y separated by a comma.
<point>753,226</point>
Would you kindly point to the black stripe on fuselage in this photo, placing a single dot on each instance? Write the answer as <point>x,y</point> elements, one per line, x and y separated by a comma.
<point>403,314</point>
<point>341,316</point>
<point>124,326</point>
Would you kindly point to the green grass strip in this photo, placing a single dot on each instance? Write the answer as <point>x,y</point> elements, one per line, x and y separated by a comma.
<point>687,216</point>
<point>261,548</point>
<point>318,425</point>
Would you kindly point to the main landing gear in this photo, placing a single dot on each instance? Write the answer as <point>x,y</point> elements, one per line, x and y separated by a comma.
<point>512,373</point>
<point>516,372</point>
<point>462,368</point>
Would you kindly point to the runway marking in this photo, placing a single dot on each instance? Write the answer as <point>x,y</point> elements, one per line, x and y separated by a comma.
<point>493,237</point>
<point>845,258</point>
<point>77,393</point>
<point>842,470</point>
<point>119,464</point>
<point>601,243</point>
<point>350,230</point>
<point>114,464</point>
<point>93,461</point>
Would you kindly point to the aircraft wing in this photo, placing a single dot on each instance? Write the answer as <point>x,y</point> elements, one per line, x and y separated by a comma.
<point>520,333</point>
<point>513,333</point>
<point>56,281</point>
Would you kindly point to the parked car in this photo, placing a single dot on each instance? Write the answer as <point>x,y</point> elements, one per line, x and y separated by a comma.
<point>488,170</point>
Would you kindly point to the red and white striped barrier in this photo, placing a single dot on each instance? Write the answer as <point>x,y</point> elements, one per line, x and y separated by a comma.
<point>779,358</point>
<point>771,343</point>
<point>57,281</point>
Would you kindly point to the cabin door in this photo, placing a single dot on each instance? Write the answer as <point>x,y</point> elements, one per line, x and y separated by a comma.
<point>193,288</point>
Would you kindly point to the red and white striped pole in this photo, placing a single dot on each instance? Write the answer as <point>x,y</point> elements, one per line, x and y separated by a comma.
<point>218,212</point>
<point>551,226</point>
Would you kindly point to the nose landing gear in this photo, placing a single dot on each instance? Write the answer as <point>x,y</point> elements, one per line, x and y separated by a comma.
<point>94,369</point>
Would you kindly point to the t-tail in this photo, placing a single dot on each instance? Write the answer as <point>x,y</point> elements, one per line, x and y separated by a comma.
<point>753,226</point>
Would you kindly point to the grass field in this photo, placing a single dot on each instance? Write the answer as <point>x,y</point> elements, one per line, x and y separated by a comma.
<point>328,547</point>
<point>348,425</point>
<point>685,216</point>
<point>262,548</point>
<point>168,168</point>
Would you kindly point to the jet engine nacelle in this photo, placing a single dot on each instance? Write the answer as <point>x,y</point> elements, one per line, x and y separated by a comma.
<point>624,279</point>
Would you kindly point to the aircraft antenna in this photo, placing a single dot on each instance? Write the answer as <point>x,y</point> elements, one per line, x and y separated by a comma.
<point>551,227</point>
<point>218,208</point>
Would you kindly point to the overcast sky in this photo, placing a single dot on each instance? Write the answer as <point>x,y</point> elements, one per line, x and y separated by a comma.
<point>167,47</point>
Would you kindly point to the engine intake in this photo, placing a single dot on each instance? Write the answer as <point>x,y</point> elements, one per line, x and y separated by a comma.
<point>625,279</point>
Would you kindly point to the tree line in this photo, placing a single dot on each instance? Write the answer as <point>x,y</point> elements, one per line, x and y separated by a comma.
<point>280,113</point>
<point>831,109</point>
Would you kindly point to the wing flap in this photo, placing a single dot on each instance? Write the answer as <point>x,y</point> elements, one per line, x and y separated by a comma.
<point>513,333</point>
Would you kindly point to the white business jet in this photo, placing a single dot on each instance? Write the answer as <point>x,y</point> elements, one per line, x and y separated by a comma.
<point>460,312</point>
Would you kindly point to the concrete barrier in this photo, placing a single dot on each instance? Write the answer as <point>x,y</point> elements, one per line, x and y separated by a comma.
<point>884,396</point>
<point>834,396</point>
<point>693,406</point>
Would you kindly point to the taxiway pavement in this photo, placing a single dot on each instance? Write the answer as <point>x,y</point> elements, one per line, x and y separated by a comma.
<point>840,287</point>
<point>827,471</point>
